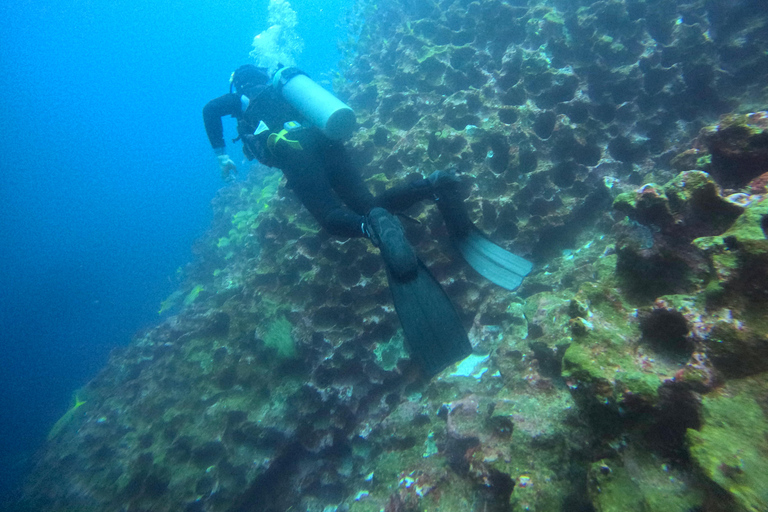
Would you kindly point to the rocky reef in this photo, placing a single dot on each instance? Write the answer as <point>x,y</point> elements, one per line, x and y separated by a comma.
<point>614,143</point>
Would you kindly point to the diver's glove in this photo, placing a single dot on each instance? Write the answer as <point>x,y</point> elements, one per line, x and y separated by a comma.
<point>386,233</point>
<point>226,165</point>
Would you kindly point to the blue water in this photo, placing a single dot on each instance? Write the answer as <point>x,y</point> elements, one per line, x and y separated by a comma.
<point>105,179</point>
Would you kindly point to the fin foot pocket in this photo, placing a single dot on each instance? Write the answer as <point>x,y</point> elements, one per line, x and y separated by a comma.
<point>386,233</point>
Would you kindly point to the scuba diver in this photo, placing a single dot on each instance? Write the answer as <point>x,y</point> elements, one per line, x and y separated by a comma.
<point>289,122</point>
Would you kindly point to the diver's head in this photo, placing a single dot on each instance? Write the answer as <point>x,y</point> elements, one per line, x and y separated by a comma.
<point>248,77</point>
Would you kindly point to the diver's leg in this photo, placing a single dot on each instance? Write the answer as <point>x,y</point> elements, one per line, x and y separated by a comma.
<point>442,187</point>
<point>439,184</point>
<point>383,228</point>
<point>346,180</point>
<point>401,197</point>
<point>386,233</point>
<point>446,191</point>
<point>314,190</point>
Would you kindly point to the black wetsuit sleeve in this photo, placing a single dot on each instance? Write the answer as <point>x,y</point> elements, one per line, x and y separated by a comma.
<point>214,110</point>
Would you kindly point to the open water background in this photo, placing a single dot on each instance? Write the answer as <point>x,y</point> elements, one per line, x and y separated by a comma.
<point>106,177</point>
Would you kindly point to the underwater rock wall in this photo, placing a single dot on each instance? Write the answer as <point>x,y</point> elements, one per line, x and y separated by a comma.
<point>548,102</point>
<point>624,375</point>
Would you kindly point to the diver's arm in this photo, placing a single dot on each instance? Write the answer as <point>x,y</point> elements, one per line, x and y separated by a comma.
<point>214,110</point>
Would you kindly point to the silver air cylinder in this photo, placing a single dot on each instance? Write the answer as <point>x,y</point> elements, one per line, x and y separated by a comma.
<point>324,110</point>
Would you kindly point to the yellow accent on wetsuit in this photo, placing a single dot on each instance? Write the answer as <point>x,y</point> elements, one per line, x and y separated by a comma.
<point>275,138</point>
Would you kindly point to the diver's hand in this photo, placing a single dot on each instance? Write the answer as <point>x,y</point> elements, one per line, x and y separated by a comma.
<point>226,165</point>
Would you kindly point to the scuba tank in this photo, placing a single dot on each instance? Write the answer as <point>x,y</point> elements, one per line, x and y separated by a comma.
<point>324,110</point>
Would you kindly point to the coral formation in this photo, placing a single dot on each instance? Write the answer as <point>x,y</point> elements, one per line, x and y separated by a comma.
<point>627,373</point>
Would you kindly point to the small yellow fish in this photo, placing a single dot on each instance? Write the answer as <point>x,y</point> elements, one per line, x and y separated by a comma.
<point>66,419</point>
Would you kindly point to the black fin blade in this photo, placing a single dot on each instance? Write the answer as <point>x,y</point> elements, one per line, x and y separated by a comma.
<point>433,330</point>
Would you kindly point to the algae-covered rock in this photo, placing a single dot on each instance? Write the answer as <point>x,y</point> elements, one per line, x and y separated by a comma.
<point>491,447</point>
<point>696,199</point>
<point>690,204</point>
<point>740,255</point>
<point>640,481</point>
<point>731,447</point>
<point>655,255</point>
<point>667,329</point>
<point>648,205</point>
<point>278,337</point>
<point>607,357</point>
<point>739,147</point>
<point>738,349</point>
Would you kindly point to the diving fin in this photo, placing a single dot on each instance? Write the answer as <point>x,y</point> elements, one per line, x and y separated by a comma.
<point>491,261</point>
<point>433,330</point>
<point>498,265</point>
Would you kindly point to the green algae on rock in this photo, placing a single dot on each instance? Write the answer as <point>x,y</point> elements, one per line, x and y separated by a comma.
<point>656,256</point>
<point>642,482</point>
<point>731,447</point>
<point>740,255</point>
<point>691,197</point>
<point>738,145</point>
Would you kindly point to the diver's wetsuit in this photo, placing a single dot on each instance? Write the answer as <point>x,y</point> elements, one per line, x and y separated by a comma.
<point>321,173</point>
